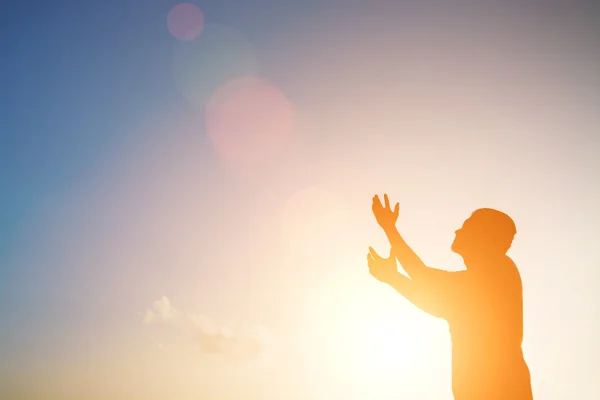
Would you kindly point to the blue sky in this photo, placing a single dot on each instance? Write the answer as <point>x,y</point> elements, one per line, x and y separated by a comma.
<point>112,194</point>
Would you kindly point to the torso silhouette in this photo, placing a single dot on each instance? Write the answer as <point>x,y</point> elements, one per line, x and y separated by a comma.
<point>484,310</point>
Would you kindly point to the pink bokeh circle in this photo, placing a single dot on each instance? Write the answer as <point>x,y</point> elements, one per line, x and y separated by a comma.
<point>185,21</point>
<point>248,120</point>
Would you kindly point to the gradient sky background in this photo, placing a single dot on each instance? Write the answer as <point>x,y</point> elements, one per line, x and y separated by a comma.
<point>143,255</point>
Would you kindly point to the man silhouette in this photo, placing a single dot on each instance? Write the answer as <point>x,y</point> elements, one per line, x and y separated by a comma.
<point>483,304</point>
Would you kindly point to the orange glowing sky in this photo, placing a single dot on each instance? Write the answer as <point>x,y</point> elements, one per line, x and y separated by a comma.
<point>213,246</point>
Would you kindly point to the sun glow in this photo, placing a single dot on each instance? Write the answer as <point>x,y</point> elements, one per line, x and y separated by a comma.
<point>384,341</point>
<point>377,342</point>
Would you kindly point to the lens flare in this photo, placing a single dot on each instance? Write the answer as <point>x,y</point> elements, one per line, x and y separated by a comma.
<point>185,21</point>
<point>219,55</point>
<point>248,120</point>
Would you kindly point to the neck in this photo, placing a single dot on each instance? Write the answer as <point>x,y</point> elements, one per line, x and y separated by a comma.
<point>474,261</point>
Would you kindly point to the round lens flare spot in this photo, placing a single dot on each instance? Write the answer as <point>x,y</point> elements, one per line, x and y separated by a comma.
<point>248,120</point>
<point>185,21</point>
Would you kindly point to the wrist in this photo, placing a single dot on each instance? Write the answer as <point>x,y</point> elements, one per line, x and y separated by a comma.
<point>392,278</point>
<point>390,230</point>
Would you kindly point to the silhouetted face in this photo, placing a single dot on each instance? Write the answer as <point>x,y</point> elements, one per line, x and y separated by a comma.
<point>485,232</point>
<point>464,239</point>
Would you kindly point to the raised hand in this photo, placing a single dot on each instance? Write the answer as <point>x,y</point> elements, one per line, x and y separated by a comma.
<point>382,269</point>
<point>385,216</point>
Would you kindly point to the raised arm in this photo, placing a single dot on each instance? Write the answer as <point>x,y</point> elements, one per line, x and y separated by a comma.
<point>424,296</point>
<point>412,264</point>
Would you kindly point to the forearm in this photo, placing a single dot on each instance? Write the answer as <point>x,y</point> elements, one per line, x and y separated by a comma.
<point>409,260</point>
<point>416,294</point>
<point>402,284</point>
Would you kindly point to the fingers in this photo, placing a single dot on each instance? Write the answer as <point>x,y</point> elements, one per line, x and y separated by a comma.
<point>376,202</point>
<point>397,209</point>
<point>371,263</point>
<point>387,200</point>
<point>374,255</point>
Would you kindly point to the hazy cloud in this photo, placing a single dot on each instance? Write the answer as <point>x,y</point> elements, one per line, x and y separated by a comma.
<point>244,342</point>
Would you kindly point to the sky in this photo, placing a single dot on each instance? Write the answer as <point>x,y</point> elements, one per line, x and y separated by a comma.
<point>185,191</point>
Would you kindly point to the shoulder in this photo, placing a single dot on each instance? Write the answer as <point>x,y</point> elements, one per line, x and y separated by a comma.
<point>511,270</point>
<point>507,276</point>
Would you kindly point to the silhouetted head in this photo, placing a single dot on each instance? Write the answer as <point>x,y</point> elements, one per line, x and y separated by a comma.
<point>486,233</point>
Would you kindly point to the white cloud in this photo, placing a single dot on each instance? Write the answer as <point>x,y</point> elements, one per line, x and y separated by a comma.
<point>161,311</point>
<point>246,342</point>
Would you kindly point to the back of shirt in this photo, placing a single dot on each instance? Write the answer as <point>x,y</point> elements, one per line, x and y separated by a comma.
<point>485,316</point>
